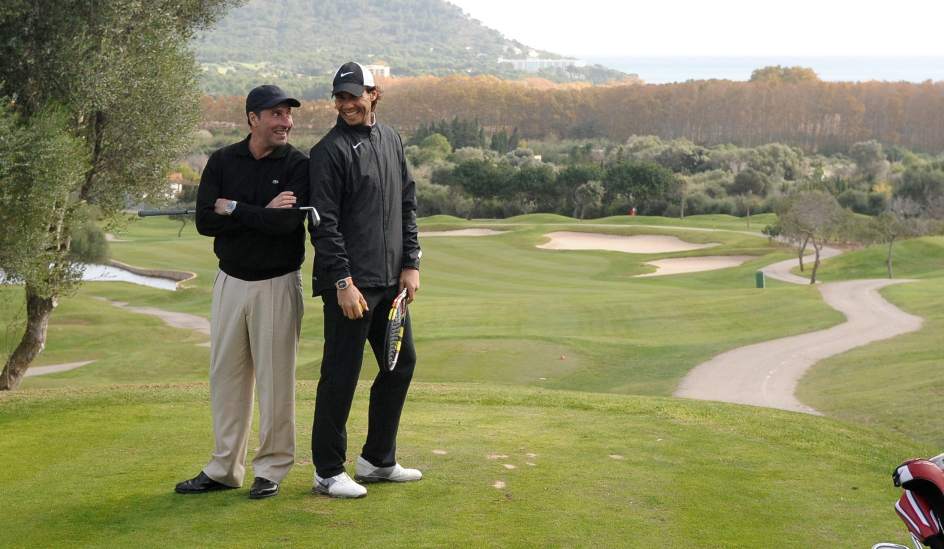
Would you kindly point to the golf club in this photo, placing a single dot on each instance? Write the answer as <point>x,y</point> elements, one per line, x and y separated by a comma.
<point>177,211</point>
<point>313,216</point>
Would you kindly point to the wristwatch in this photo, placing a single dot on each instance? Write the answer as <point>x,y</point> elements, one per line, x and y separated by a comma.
<point>230,207</point>
<point>342,284</point>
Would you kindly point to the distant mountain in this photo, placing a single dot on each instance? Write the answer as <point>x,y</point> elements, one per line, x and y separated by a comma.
<point>299,43</point>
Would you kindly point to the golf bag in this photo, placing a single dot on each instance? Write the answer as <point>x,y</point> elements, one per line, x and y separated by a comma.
<point>921,504</point>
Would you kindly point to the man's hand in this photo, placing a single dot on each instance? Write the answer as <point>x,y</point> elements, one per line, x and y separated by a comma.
<point>352,302</point>
<point>220,205</point>
<point>285,199</point>
<point>410,279</point>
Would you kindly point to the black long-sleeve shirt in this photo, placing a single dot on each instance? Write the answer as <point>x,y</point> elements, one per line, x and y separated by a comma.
<point>366,196</point>
<point>255,242</point>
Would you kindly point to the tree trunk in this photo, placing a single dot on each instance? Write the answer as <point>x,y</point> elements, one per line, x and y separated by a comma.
<point>38,310</point>
<point>803,251</point>
<point>888,259</point>
<point>816,248</point>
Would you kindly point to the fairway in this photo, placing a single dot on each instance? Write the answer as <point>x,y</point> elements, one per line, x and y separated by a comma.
<point>606,471</point>
<point>539,411</point>
<point>492,309</point>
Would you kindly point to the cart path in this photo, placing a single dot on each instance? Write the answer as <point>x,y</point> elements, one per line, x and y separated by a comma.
<point>55,368</point>
<point>766,374</point>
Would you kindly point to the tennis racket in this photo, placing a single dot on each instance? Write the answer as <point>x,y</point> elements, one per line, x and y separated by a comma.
<point>396,325</point>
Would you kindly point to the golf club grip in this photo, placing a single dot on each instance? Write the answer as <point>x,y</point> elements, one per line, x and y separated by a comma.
<point>151,213</point>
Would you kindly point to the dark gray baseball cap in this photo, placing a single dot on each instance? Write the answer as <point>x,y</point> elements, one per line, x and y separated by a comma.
<point>268,96</point>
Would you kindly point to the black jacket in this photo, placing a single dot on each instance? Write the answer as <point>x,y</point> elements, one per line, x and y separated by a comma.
<point>365,194</point>
<point>255,243</point>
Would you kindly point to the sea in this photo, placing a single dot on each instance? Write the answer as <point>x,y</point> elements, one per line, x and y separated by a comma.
<point>664,70</point>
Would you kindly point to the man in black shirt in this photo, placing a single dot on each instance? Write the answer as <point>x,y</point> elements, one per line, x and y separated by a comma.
<point>247,202</point>
<point>367,251</point>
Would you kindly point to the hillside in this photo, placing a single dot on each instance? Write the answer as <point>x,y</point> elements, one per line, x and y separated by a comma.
<point>302,41</point>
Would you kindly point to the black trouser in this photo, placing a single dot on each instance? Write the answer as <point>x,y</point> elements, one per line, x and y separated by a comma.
<point>340,368</point>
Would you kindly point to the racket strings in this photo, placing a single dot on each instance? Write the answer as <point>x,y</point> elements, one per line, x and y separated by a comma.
<point>395,329</point>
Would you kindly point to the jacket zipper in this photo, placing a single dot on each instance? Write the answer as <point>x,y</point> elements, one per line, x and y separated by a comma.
<point>383,201</point>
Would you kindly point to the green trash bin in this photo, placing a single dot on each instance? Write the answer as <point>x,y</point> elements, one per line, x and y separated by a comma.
<point>759,279</point>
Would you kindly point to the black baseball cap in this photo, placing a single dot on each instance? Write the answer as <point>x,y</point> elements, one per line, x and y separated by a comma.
<point>268,96</point>
<point>352,78</point>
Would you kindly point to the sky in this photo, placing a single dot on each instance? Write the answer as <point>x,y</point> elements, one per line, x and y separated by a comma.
<point>719,27</point>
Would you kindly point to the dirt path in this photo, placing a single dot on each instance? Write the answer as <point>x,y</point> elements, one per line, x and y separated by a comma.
<point>766,374</point>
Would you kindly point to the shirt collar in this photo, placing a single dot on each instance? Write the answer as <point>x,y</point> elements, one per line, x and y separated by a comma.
<point>242,148</point>
<point>362,130</point>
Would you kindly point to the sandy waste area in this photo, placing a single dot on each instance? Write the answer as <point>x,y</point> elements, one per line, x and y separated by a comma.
<point>638,244</point>
<point>679,265</point>
<point>462,232</point>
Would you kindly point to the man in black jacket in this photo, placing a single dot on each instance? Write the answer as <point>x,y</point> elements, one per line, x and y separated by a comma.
<point>246,203</point>
<point>366,252</point>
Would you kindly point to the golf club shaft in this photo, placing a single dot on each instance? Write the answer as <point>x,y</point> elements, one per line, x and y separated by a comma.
<point>312,213</point>
<point>179,211</point>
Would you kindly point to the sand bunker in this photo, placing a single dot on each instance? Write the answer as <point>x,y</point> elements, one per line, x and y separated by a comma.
<point>463,232</point>
<point>680,265</point>
<point>639,244</point>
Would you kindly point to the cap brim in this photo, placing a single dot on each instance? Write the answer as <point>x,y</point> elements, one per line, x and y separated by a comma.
<point>290,101</point>
<point>354,89</point>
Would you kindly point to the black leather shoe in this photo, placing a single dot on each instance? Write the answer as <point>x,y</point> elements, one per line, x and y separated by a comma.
<point>200,484</point>
<point>263,488</point>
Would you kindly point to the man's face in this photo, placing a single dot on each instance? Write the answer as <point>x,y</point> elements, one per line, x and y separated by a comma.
<point>272,126</point>
<point>355,111</point>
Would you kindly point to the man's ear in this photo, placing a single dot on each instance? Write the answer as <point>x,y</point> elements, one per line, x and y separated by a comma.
<point>252,119</point>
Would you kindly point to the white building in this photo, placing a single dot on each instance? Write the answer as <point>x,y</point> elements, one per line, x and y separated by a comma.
<point>535,64</point>
<point>379,71</point>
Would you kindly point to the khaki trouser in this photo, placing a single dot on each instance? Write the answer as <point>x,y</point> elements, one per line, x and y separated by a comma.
<point>254,330</point>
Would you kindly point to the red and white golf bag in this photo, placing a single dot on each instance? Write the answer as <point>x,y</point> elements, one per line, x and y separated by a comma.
<point>921,504</point>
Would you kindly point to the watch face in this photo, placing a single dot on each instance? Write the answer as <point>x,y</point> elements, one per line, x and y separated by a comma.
<point>341,284</point>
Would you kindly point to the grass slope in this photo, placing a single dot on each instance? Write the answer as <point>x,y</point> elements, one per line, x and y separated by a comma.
<point>914,258</point>
<point>96,468</point>
<point>895,385</point>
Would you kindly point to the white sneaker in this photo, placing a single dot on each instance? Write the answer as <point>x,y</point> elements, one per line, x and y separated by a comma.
<point>339,486</point>
<point>366,472</point>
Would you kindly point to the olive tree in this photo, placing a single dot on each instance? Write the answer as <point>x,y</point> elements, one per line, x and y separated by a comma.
<point>813,217</point>
<point>904,218</point>
<point>122,78</point>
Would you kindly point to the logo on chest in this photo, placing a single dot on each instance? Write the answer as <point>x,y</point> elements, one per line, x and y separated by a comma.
<point>275,181</point>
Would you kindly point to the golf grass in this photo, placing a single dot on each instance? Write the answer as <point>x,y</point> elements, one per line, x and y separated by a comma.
<point>895,385</point>
<point>915,258</point>
<point>512,467</point>
<point>491,309</point>
<point>517,347</point>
